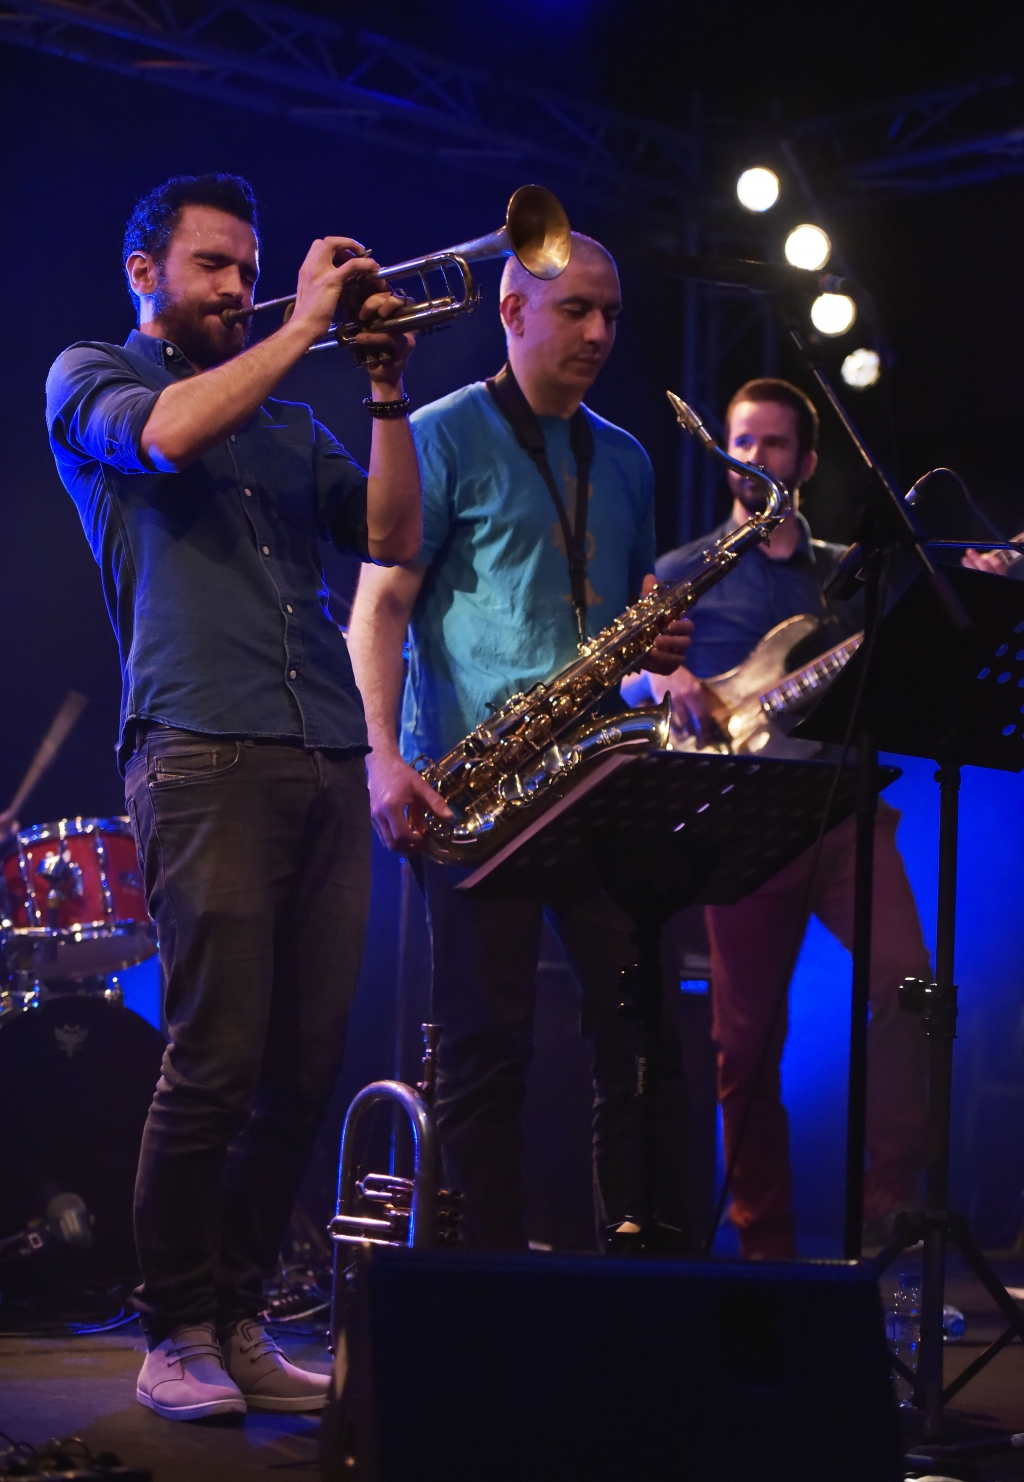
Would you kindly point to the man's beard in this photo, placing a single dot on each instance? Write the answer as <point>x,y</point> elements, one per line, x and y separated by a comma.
<point>752,496</point>
<point>197,329</point>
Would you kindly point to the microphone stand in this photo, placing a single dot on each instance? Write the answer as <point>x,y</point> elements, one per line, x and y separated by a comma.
<point>886,527</point>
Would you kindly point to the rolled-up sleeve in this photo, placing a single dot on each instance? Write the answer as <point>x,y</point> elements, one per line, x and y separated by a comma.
<point>340,494</point>
<point>97,406</point>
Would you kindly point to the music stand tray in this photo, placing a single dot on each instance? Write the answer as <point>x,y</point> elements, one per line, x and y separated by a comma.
<point>666,829</point>
<point>957,696</point>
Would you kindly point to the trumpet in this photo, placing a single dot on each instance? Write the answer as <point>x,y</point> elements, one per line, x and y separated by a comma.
<point>536,231</point>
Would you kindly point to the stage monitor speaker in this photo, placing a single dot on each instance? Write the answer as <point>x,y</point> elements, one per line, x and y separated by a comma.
<point>467,1368</point>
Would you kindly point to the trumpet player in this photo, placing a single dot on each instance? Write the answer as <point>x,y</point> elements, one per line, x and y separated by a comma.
<point>521,553</point>
<point>242,740</point>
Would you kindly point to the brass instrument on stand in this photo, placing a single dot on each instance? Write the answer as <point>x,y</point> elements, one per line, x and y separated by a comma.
<point>407,1211</point>
<point>384,1208</point>
<point>506,771</point>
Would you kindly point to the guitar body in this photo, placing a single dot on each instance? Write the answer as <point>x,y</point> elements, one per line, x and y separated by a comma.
<point>738,694</point>
<point>762,669</point>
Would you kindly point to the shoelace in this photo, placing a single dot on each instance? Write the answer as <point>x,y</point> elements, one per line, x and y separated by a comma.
<point>197,1348</point>
<point>255,1341</point>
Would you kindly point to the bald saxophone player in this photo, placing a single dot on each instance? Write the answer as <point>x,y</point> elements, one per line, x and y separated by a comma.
<point>205,500</point>
<point>506,579</point>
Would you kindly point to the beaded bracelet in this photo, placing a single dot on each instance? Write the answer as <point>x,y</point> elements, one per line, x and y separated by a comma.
<point>387,409</point>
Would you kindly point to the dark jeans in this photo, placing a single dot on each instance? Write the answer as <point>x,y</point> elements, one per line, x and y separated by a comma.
<point>485,949</point>
<point>256,861</point>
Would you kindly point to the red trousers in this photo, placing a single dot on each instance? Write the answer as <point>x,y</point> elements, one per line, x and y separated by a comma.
<point>752,951</point>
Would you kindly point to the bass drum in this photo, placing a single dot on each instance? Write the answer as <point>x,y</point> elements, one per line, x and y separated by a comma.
<point>77,1074</point>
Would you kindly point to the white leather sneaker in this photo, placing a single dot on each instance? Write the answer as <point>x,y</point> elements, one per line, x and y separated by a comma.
<point>183,1377</point>
<point>263,1374</point>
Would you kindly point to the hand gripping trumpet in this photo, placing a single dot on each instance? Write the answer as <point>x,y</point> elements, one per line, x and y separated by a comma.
<point>536,231</point>
<point>517,762</point>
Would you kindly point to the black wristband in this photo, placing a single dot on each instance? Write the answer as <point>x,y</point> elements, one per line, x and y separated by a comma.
<point>387,409</point>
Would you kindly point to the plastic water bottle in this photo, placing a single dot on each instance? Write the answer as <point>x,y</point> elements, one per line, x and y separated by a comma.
<point>954,1324</point>
<point>903,1330</point>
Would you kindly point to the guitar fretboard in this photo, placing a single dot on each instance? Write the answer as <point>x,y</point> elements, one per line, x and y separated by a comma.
<point>803,684</point>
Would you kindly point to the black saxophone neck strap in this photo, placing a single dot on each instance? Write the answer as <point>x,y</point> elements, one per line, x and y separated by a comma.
<point>516,410</point>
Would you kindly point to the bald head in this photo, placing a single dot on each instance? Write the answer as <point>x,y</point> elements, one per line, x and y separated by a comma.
<point>560,333</point>
<point>516,279</point>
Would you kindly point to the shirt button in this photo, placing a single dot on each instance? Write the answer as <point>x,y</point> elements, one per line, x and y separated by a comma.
<point>292,673</point>
<point>168,350</point>
<point>266,550</point>
<point>247,493</point>
<point>232,438</point>
<point>288,607</point>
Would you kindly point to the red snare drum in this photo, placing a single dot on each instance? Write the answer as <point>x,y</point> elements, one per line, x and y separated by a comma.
<point>71,900</point>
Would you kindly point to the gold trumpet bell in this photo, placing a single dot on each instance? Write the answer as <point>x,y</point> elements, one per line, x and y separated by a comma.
<point>536,230</point>
<point>539,232</point>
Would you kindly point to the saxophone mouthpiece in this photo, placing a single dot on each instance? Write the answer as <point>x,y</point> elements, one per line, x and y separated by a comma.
<point>689,419</point>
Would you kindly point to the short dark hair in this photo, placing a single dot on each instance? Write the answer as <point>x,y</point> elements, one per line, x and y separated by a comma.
<point>152,223</point>
<point>773,388</point>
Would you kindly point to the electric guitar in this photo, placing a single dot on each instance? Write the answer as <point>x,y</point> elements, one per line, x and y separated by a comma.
<point>750,703</point>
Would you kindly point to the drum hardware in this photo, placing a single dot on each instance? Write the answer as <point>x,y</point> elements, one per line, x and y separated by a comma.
<point>67,1220</point>
<point>72,900</point>
<point>77,1071</point>
<point>536,231</point>
<point>46,752</point>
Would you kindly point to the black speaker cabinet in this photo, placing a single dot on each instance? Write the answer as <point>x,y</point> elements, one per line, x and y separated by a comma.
<point>464,1368</point>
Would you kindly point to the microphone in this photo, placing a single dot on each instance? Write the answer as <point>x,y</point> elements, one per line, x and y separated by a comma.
<point>762,277</point>
<point>67,1222</point>
<point>68,1219</point>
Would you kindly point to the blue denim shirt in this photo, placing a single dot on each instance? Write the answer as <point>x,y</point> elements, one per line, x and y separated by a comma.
<point>212,576</point>
<point>759,593</point>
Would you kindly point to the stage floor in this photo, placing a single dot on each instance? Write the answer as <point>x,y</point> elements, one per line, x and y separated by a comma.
<point>86,1387</point>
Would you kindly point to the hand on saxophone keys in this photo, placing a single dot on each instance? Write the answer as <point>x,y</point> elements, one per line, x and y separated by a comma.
<point>401,803</point>
<point>669,647</point>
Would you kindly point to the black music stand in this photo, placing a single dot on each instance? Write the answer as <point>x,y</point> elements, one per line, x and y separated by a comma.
<point>668,829</point>
<point>956,695</point>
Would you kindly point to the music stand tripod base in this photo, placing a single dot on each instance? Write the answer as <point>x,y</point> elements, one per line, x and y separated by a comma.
<point>955,696</point>
<point>666,830</point>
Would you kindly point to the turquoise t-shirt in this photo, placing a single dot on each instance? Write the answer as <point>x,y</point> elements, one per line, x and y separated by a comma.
<point>495,614</point>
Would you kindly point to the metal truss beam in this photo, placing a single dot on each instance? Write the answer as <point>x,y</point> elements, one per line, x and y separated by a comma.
<point>939,140</point>
<point>259,55</point>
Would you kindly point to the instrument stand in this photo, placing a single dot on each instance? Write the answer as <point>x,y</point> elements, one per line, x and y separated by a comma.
<point>957,699</point>
<point>642,1233</point>
<point>665,830</point>
<point>885,529</point>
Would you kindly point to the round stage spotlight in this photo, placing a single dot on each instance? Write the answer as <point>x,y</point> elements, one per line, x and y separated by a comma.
<point>758,189</point>
<point>861,368</point>
<point>833,313</point>
<point>808,247</point>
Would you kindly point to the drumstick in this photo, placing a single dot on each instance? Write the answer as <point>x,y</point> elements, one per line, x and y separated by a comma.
<point>47,750</point>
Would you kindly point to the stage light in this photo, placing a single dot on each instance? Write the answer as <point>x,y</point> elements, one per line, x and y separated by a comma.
<point>833,313</point>
<point>861,368</point>
<point>758,189</point>
<point>808,247</point>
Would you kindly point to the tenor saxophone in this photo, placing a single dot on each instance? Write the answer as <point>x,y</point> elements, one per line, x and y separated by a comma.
<point>524,756</point>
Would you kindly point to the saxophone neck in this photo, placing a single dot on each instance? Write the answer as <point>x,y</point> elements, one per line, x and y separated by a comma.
<point>758,526</point>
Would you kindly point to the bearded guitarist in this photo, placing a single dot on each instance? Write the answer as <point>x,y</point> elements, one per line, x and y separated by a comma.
<point>754,943</point>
